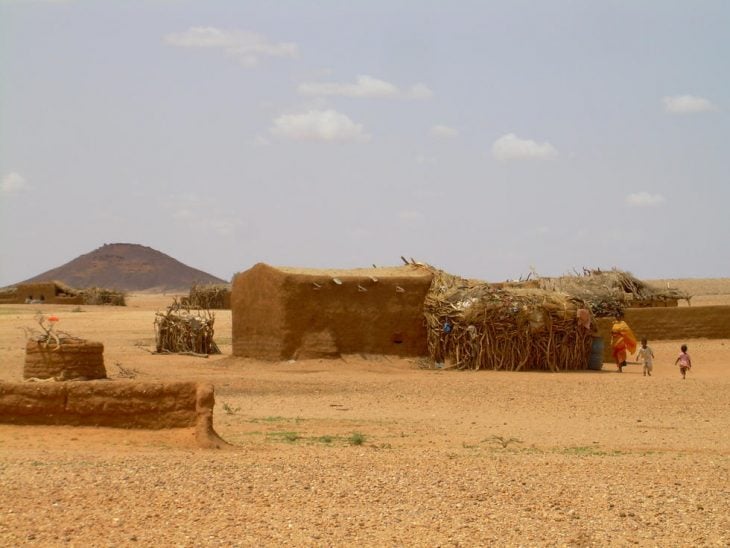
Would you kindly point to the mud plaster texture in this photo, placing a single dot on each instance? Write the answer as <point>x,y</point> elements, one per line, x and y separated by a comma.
<point>71,359</point>
<point>286,313</point>
<point>118,404</point>
<point>591,458</point>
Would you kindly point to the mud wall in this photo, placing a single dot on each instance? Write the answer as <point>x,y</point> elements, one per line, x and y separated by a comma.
<point>279,314</point>
<point>119,404</point>
<point>9,296</point>
<point>73,359</point>
<point>48,292</point>
<point>682,323</point>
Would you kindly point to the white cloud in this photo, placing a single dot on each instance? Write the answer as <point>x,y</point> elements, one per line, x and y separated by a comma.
<point>12,183</point>
<point>319,125</point>
<point>443,132</point>
<point>364,87</point>
<point>511,147</point>
<point>687,104</point>
<point>644,199</point>
<point>246,47</point>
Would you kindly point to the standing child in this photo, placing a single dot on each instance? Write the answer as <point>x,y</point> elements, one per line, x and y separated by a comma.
<point>684,361</point>
<point>646,355</point>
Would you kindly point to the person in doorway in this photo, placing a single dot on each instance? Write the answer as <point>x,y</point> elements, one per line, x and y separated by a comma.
<point>683,361</point>
<point>623,342</point>
<point>646,355</point>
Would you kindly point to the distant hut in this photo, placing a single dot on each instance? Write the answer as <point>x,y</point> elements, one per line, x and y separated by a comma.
<point>281,313</point>
<point>55,292</point>
<point>51,292</point>
<point>9,295</point>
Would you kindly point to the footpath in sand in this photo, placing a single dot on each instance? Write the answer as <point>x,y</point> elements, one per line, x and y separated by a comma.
<point>376,451</point>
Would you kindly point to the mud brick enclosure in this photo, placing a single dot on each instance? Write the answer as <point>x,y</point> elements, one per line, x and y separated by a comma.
<point>116,404</point>
<point>691,322</point>
<point>72,359</point>
<point>287,313</point>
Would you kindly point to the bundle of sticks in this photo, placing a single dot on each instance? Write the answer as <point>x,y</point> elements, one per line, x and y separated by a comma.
<point>183,330</point>
<point>475,326</point>
<point>208,296</point>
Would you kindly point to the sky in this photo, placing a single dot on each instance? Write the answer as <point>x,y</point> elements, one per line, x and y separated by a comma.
<point>494,139</point>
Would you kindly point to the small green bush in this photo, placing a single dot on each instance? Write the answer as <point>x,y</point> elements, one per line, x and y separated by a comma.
<point>356,438</point>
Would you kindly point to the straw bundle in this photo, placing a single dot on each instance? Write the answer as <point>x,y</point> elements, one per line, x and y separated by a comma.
<point>182,330</point>
<point>476,326</point>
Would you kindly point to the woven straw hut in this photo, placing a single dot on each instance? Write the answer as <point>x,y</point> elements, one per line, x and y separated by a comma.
<point>473,325</point>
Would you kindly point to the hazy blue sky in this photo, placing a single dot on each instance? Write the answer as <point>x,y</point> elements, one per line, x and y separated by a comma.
<point>485,137</point>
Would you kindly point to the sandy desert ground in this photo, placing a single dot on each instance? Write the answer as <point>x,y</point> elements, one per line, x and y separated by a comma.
<point>377,451</point>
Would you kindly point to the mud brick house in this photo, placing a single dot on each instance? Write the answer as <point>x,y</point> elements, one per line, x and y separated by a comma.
<point>46,292</point>
<point>281,313</point>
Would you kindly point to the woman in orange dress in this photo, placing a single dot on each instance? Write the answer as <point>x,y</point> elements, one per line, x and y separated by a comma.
<point>623,342</point>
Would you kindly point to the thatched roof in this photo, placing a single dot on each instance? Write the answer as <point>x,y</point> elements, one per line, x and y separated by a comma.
<point>477,326</point>
<point>608,292</point>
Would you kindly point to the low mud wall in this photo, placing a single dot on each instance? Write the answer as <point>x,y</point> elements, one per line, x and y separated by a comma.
<point>671,324</point>
<point>118,404</point>
<point>72,359</point>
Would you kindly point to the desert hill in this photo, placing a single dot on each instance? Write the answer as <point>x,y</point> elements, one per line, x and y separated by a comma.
<point>127,267</point>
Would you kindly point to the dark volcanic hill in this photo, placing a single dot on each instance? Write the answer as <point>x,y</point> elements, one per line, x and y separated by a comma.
<point>127,267</point>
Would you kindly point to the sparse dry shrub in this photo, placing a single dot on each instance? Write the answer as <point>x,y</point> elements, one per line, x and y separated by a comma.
<point>98,295</point>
